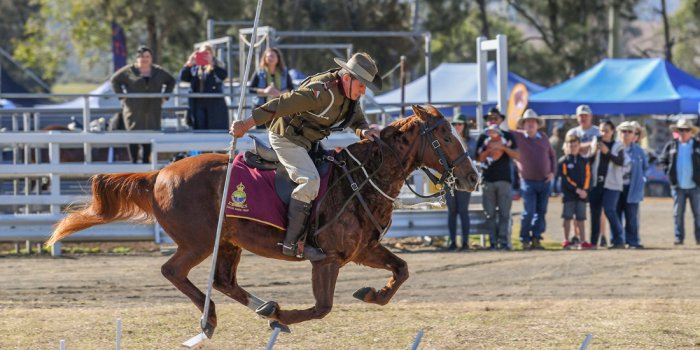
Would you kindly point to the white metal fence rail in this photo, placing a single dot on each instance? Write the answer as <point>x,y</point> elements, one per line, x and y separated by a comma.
<point>37,226</point>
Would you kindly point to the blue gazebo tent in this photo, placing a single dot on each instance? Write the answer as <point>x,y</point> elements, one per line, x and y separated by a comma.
<point>453,84</point>
<point>623,86</point>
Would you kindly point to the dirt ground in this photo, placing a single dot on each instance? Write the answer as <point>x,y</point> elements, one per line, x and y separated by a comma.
<point>632,299</point>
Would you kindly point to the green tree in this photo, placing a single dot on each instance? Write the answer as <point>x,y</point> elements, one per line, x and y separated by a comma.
<point>14,14</point>
<point>170,27</point>
<point>573,32</point>
<point>456,25</point>
<point>685,25</point>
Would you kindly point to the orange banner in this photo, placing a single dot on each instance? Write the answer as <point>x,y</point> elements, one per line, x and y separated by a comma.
<point>517,103</point>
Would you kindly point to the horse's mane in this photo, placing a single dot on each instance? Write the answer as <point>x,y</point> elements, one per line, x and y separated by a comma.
<point>404,124</point>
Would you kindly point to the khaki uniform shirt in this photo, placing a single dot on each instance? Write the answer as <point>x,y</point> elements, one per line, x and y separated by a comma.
<point>305,115</point>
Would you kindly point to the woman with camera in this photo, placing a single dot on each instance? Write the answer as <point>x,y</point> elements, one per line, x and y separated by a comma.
<point>205,74</point>
<point>271,79</point>
<point>606,182</point>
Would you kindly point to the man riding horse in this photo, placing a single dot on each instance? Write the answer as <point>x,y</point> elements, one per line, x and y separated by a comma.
<point>323,103</point>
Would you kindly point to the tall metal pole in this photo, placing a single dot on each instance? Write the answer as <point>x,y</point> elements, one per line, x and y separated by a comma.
<point>428,58</point>
<point>402,82</point>
<point>222,205</point>
<point>502,73</point>
<point>229,68</point>
<point>210,29</point>
<point>241,61</point>
<point>481,86</point>
<point>87,147</point>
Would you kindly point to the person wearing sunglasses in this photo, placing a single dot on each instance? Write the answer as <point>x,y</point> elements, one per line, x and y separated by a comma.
<point>633,170</point>
<point>680,160</point>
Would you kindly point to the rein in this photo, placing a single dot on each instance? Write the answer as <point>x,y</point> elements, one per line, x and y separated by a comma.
<point>427,136</point>
<point>355,188</point>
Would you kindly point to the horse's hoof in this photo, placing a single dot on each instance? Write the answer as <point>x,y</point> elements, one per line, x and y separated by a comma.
<point>267,309</point>
<point>361,293</point>
<point>276,324</point>
<point>209,330</point>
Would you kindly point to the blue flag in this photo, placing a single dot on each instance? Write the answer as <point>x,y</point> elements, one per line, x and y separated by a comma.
<point>118,46</point>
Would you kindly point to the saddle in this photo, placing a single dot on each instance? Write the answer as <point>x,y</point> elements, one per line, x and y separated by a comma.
<point>263,157</point>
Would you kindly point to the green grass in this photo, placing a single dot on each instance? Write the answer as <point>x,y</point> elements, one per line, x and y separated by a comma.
<point>121,250</point>
<point>73,88</point>
<point>68,250</point>
<point>23,251</point>
<point>540,324</point>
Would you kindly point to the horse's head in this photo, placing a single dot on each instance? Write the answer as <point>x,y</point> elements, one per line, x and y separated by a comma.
<point>438,146</point>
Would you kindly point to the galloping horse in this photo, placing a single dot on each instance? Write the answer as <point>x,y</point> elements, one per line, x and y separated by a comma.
<point>184,198</point>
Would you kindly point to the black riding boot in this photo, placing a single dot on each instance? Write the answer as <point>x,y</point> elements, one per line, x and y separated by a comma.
<point>297,215</point>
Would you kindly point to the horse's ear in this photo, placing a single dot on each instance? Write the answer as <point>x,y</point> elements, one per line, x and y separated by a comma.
<point>388,132</point>
<point>419,111</point>
<point>433,111</point>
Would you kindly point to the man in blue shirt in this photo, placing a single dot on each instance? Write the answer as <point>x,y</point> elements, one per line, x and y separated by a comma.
<point>681,161</point>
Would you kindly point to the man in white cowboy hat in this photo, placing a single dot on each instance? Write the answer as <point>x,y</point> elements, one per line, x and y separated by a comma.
<point>297,119</point>
<point>536,166</point>
<point>585,131</point>
<point>681,161</point>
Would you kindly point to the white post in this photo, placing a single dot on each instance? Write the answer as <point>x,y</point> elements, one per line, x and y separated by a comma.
<point>483,46</point>
<point>119,334</point>
<point>481,86</point>
<point>273,339</point>
<point>502,73</point>
<point>210,29</point>
<point>55,188</point>
<point>27,180</point>
<point>428,58</point>
<point>416,342</point>
<point>110,155</point>
<point>87,148</point>
<point>586,341</point>
<point>419,182</point>
<point>62,345</point>
<point>154,154</point>
<point>229,69</point>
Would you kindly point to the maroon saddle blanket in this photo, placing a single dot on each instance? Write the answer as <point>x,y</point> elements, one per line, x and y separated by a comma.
<point>252,195</point>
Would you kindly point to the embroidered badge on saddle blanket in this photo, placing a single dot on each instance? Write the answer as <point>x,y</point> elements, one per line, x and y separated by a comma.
<point>251,195</point>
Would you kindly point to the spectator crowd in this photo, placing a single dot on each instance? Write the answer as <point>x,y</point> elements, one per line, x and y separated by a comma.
<point>597,170</point>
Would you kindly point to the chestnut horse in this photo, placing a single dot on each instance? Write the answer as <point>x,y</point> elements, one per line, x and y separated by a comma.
<point>184,198</point>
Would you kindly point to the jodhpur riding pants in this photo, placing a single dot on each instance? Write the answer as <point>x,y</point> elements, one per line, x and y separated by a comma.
<point>299,166</point>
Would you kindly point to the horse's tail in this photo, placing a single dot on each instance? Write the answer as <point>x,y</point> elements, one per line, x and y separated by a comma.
<point>125,196</point>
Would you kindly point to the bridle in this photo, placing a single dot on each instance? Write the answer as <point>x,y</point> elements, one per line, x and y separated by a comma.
<point>447,179</point>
